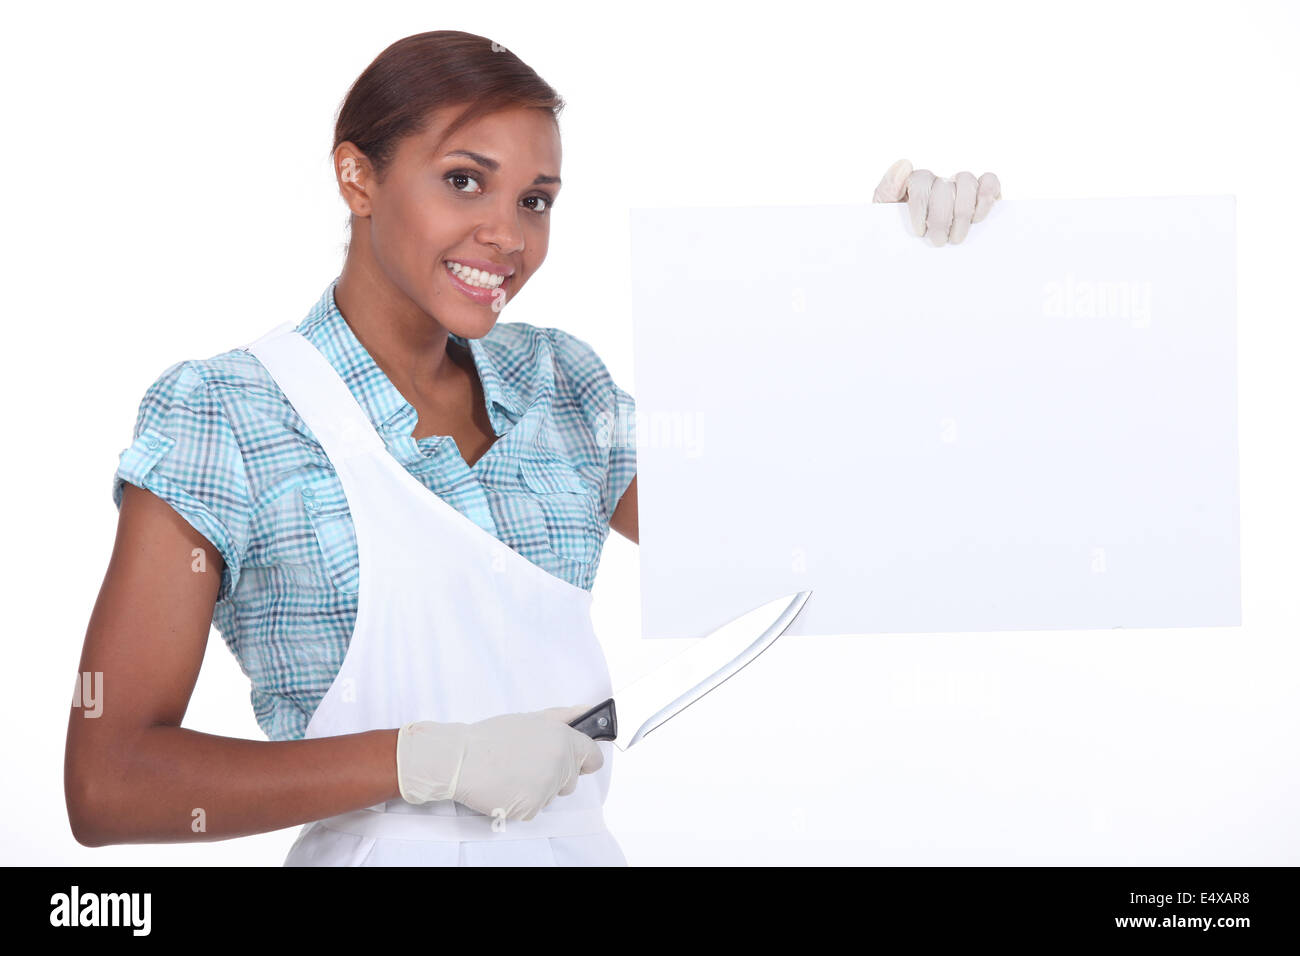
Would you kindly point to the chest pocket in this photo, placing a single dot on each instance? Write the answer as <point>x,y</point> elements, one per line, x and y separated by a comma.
<point>331,521</point>
<point>569,504</point>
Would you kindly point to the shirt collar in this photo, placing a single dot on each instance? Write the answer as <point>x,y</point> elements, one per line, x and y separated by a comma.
<point>326,328</point>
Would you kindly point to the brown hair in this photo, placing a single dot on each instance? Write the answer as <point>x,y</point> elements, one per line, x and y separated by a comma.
<point>394,95</point>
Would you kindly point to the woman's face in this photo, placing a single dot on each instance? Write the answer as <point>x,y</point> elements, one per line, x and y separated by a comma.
<point>482,198</point>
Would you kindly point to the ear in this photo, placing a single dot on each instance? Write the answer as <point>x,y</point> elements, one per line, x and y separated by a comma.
<point>354,174</point>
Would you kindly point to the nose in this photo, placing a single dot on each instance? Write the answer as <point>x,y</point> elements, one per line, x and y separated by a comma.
<point>503,230</point>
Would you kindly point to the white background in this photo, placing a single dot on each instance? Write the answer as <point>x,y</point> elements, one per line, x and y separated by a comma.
<point>169,195</point>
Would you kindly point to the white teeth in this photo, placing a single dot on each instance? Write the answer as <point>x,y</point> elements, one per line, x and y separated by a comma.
<point>475,277</point>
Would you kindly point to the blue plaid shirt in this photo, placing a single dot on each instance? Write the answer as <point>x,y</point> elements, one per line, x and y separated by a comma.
<point>206,443</point>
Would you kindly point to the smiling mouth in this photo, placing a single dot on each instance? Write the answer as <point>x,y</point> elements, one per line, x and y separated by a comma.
<point>475,278</point>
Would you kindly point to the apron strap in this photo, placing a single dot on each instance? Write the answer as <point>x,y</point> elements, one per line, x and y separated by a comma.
<point>318,393</point>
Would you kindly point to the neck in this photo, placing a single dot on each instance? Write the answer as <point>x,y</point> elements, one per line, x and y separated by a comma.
<point>411,347</point>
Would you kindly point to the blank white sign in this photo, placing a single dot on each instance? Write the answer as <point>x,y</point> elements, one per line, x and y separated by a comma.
<point>1034,429</point>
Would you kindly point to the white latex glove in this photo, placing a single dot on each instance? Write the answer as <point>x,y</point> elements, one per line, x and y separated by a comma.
<point>513,763</point>
<point>941,209</point>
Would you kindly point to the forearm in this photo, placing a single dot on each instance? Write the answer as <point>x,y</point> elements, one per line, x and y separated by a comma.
<point>174,785</point>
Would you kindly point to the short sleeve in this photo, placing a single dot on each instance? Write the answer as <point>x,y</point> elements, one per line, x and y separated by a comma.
<point>622,450</point>
<point>185,452</point>
<point>609,411</point>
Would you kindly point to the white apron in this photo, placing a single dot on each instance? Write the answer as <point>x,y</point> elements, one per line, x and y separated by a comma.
<point>452,625</point>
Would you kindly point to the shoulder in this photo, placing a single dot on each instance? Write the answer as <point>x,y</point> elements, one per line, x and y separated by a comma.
<point>192,412</point>
<point>586,400</point>
<point>198,420</point>
<point>549,353</point>
<point>580,366</point>
<point>226,390</point>
<point>234,377</point>
<point>188,449</point>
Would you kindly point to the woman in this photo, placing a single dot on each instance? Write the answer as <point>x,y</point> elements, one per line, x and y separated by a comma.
<point>393,512</point>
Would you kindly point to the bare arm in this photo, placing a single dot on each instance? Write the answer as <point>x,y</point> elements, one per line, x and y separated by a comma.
<point>132,774</point>
<point>624,518</point>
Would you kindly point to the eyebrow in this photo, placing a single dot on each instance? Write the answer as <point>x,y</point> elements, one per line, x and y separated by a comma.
<point>493,165</point>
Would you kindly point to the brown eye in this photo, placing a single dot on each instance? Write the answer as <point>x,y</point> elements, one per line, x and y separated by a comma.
<point>546,204</point>
<point>459,174</point>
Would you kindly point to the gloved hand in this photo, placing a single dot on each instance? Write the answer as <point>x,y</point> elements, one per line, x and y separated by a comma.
<point>941,209</point>
<point>516,763</point>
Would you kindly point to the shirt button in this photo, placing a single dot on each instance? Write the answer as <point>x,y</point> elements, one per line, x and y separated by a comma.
<point>151,442</point>
<point>309,492</point>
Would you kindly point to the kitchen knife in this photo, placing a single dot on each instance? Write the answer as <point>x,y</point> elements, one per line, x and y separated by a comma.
<point>672,687</point>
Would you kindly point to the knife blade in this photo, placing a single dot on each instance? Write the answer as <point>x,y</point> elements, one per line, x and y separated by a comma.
<point>669,689</point>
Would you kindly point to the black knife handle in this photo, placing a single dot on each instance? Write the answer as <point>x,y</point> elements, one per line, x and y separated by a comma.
<point>599,723</point>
